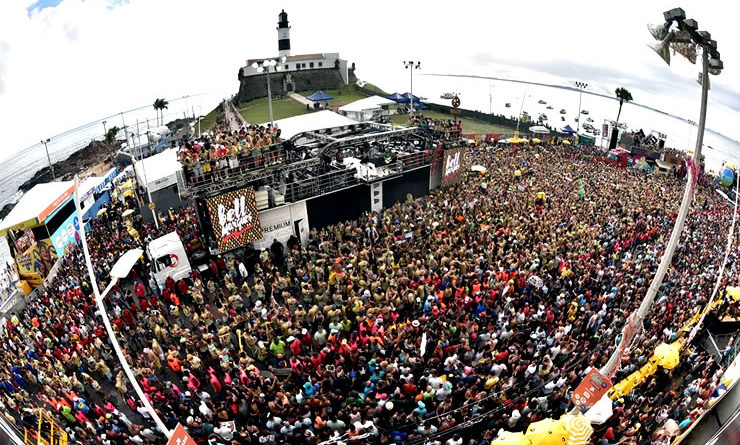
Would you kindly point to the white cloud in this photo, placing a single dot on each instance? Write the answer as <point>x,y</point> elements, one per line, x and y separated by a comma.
<point>81,60</point>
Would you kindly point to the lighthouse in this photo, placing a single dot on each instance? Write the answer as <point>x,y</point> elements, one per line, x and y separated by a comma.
<point>283,30</point>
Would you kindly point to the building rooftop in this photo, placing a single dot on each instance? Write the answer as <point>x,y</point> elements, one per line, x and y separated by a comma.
<point>292,58</point>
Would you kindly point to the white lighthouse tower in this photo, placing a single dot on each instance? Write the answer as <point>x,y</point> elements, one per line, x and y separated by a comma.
<point>283,30</point>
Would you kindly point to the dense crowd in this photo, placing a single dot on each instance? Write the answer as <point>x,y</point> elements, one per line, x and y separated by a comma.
<point>8,280</point>
<point>219,153</point>
<point>441,320</point>
<point>440,125</point>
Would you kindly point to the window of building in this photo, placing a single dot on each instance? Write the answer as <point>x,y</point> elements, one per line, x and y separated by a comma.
<point>320,64</point>
<point>287,66</point>
<point>303,65</point>
<point>310,64</point>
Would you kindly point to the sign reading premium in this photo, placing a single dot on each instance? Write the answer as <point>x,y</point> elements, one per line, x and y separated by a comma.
<point>234,218</point>
<point>452,166</point>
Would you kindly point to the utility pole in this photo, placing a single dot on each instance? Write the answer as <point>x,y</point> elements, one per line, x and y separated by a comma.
<point>48,158</point>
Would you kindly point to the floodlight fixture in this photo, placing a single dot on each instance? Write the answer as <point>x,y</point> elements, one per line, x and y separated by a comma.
<point>689,24</point>
<point>659,31</point>
<point>663,48</point>
<point>675,14</point>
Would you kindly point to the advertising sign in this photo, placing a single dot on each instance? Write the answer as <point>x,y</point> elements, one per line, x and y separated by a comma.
<point>24,242</point>
<point>38,259</point>
<point>67,233</point>
<point>605,130</point>
<point>180,437</point>
<point>453,165</point>
<point>591,389</point>
<point>234,218</point>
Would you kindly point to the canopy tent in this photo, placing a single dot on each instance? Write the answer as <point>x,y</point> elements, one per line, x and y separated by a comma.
<point>367,103</point>
<point>398,98</point>
<point>539,129</point>
<point>567,129</point>
<point>291,126</point>
<point>319,96</point>
<point>36,205</point>
<point>409,96</point>
<point>158,171</point>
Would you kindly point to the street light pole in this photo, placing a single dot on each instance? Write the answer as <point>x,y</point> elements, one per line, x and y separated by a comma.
<point>48,158</point>
<point>702,40</point>
<point>105,131</point>
<point>411,66</point>
<point>581,86</point>
<point>265,66</point>
<point>120,269</point>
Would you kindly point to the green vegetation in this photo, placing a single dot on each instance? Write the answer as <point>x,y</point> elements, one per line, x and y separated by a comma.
<point>209,120</point>
<point>346,94</point>
<point>257,111</point>
<point>470,126</point>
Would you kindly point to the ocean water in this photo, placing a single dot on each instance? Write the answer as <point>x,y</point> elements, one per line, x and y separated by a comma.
<point>474,95</point>
<point>21,166</point>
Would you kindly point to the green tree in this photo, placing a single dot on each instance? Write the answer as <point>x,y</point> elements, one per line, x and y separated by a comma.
<point>623,95</point>
<point>160,105</point>
<point>110,136</point>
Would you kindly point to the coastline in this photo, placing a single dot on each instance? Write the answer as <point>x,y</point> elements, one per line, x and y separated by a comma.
<point>89,159</point>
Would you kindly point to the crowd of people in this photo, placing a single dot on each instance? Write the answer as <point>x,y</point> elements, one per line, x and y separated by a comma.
<point>507,291</point>
<point>221,152</point>
<point>8,280</point>
<point>440,125</point>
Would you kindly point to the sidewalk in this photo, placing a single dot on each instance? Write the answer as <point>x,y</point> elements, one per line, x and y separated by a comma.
<point>299,98</point>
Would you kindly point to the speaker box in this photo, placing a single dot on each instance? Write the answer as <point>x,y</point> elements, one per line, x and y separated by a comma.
<point>661,144</point>
<point>613,142</point>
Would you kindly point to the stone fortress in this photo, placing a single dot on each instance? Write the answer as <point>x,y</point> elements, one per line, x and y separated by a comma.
<point>304,72</point>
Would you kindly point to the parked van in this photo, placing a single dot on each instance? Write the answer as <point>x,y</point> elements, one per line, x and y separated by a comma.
<point>168,258</point>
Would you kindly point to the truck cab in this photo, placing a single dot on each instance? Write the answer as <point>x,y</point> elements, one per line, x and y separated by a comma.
<point>168,258</point>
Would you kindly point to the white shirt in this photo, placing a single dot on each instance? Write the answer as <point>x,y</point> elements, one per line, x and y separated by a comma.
<point>243,270</point>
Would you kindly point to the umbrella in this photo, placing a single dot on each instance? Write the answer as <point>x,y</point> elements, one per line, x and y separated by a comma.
<point>600,411</point>
<point>578,427</point>
<point>536,140</point>
<point>128,193</point>
<point>535,281</point>
<point>319,96</point>
<point>524,141</point>
<point>667,355</point>
<point>733,292</point>
<point>478,168</point>
<point>127,213</point>
<point>515,140</point>
<point>566,142</point>
<point>101,211</point>
<point>509,438</point>
<point>539,129</point>
<point>547,432</point>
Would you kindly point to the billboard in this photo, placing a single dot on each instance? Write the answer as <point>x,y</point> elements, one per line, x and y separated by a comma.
<point>66,233</point>
<point>234,218</point>
<point>453,165</point>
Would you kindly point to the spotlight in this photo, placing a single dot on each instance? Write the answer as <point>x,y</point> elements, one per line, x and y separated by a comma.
<point>676,14</point>
<point>663,47</point>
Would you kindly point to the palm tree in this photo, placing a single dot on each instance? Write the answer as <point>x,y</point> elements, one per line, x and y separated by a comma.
<point>159,105</point>
<point>110,136</point>
<point>110,140</point>
<point>623,95</point>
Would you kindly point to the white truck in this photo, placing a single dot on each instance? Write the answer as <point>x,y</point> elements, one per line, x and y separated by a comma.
<point>168,258</point>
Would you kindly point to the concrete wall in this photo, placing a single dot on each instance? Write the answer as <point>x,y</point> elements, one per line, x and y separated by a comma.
<point>253,87</point>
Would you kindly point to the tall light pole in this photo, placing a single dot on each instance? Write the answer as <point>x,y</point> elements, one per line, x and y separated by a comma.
<point>48,158</point>
<point>581,86</point>
<point>265,67</point>
<point>120,270</point>
<point>105,131</point>
<point>411,66</point>
<point>679,33</point>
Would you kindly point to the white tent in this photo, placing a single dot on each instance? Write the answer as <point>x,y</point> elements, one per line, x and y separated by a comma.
<point>539,129</point>
<point>367,103</point>
<point>291,126</point>
<point>37,204</point>
<point>158,171</point>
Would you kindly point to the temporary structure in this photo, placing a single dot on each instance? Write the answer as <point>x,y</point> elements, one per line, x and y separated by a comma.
<point>292,126</point>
